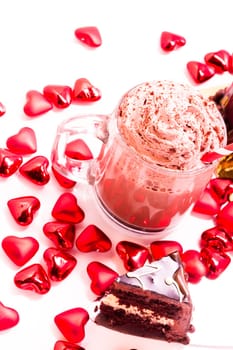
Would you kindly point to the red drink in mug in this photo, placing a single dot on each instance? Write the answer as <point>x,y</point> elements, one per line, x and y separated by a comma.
<point>149,171</point>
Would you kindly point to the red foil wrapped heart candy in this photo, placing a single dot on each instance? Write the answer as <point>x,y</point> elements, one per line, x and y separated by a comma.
<point>59,263</point>
<point>36,170</point>
<point>71,323</point>
<point>9,317</point>
<point>66,209</point>
<point>36,104</point>
<point>24,142</point>
<point>20,249</point>
<point>59,95</point>
<point>92,238</point>
<point>65,345</point>
<point>101,277</point>
<point>23,209</point>
<point>33,278</point>
<point>89,36</point>
<point>9,162</point>
<point>200,72</point>
<point>170,41</point>
<point>132,254</point>
<point>84,91</point>
<point>62,234</point>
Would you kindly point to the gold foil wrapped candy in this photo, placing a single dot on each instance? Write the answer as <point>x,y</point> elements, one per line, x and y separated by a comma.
<point>225,167</point>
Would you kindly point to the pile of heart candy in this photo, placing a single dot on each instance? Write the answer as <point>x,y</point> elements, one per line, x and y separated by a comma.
<point>216,243</point>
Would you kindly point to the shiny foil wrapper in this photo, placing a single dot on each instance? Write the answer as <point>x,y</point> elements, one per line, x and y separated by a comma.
<point>225,167</point>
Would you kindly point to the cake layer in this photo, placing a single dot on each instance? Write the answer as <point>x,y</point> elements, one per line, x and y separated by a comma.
<point>124,297</point>
<point>143,323</point>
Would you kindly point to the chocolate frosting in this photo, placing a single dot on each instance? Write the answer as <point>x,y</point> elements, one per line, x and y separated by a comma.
<point>165,276</point>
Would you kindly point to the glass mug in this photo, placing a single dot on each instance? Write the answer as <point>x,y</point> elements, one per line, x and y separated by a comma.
<point>142,197</point>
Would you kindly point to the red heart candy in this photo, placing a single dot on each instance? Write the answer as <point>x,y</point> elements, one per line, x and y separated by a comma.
<point>89,36</point>
<point>159,249</point>
<point>24,142</point>
<point>78,149</point>
<point>2,109</point>
<point>20,249</point>
<point>71,323</point>
<point>219,60</point>
<point>36,170</point>
<point>207,204</point>
<point>9,162</point>
<point>193,265</point>
<point>23,209</point>
<point>62,180</point>
<point>84,91</point>
<point>65,345</point>
<point>200,72</point>
<point>36,104</point>
<point>101,277</point>
<point>215,261</point>
<point>132,254</point>
<point>170,41</point>
<point>60,264</point>
<point>224,218</point>
<point>221,188</point>
<point>59,95</point>
<point>92,238</point>
<point>8,317</point>
<point>62,234</point>
<point>33,278</point>
<point>217,238</point>
<point>67,209</point>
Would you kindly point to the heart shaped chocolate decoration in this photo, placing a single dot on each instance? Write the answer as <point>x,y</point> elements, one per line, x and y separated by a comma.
<point>220,60</point>
<point>23,209</point>
<point>59,95</point>
<point>78,149</point>
<point>36,170</point>
<point>162,248</point>
<point>92,238</point>
<point>84,91</point>
<point>20,249</point>
<point>62,234</point>
<point>9,162</point>
<point>200,72</point>
<point>101,277</point>
<point>65,345</point>
<point>132,254</point>
<point>66,209</point>
<point>33,278</point>
<point>89,36</point>
<point>59,263</point>
<point>36,104</point>
<point>62,180</point>
<point>170,41</point>
<point>9,317</point>
<point>24,142</point>
<point>71,323</point>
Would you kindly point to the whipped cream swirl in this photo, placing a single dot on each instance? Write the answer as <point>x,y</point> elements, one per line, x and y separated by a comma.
<point>170,124</point>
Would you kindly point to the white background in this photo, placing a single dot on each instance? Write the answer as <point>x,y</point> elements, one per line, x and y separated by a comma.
<point>37,48</point>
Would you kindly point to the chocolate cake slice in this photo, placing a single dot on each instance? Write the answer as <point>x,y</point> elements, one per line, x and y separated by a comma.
<point>152,301</point>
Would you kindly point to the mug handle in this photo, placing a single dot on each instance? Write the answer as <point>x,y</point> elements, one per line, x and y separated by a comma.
<point>79,144</point>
